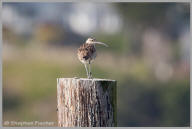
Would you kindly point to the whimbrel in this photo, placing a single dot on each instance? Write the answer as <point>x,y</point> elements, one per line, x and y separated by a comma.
<point>87,53</point>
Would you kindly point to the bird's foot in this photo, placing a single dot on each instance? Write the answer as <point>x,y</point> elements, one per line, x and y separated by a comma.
<point>90,76</point>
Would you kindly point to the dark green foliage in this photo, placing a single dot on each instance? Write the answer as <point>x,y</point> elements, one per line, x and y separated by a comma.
<point>154,104</point>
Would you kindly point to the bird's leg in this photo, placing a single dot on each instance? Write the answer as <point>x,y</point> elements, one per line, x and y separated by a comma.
<point>90,74</point>
<point>86,70</point>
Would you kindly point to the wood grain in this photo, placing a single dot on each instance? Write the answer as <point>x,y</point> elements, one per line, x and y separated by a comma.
<point>86,102</point>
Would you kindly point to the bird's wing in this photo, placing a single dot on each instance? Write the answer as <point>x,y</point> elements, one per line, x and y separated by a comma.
<point>83,52</point>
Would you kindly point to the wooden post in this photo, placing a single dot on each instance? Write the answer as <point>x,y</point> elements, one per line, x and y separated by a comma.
<point>86,102</point>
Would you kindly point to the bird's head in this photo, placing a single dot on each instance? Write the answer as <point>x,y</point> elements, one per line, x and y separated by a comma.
<point>92,40</point>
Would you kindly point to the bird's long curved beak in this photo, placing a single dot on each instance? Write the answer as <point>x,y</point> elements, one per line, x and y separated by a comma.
<point>101,43</point>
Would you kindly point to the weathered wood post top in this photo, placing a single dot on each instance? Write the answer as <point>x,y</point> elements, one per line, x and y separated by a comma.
<point>86,102</point>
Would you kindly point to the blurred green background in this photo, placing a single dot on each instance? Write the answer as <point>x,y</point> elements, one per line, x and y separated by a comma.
<point>148,55</point>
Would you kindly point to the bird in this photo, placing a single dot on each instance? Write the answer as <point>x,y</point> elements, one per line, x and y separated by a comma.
<point>87,53</point>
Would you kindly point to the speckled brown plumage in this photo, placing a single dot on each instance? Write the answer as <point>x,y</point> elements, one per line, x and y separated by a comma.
<point>86,53</point>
